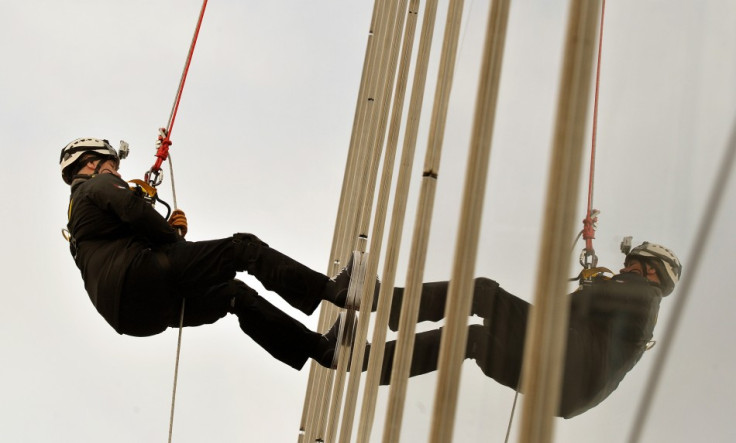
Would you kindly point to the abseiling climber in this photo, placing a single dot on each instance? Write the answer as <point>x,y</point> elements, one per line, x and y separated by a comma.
<point>611,324</point>
<point>137,269</point>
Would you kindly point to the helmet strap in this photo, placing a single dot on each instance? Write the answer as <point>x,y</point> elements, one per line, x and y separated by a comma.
<point>100,160</point>
<point>99,165</point>
<point>82,162</point>
<point>649,266</point>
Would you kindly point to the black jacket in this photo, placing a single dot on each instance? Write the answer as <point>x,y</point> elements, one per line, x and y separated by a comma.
<point>611,322</point>
<point>109,225</point>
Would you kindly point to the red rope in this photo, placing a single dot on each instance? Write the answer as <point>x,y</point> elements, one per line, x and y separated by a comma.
<point>591,219</point>
<point>164,138</point>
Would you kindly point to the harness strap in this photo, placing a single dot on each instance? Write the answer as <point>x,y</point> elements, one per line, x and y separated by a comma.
<point>589,274</point>
<point>66,233</point>
<point>144,187</point>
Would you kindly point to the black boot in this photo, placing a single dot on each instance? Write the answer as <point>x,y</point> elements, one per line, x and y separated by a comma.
<point>339,333</point>
<point>325,352</point>
<point>299,285</point>
<point>336,289</point>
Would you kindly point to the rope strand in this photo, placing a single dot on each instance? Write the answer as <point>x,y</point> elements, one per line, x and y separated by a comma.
<point>176,371</point>
<point>153,176</point>
<point>595,111</point>
<point>591,215</point>
<point>175,108</point>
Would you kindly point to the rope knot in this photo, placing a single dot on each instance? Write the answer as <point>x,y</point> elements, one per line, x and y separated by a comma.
<point>590,224</point>
<point>162,144</point>
<point>154,176</point>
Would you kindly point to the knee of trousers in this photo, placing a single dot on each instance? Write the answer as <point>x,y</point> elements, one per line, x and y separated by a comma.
<point>215,303</point>
<point>485,291</point>
<point>485,285</point>
<point>247,248</point>
<point>241,296</point>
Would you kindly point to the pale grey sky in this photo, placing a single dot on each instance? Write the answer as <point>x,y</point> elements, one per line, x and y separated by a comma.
<point>260,146</point>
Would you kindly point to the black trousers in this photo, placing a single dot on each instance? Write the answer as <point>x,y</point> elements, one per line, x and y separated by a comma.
<point>598,352</point>
<point>497,346</point>
<point>203,274</point>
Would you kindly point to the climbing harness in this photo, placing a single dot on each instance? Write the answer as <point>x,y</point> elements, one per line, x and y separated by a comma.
<point>144,189</point>
<point>148,193</point>
<point>587,275</point>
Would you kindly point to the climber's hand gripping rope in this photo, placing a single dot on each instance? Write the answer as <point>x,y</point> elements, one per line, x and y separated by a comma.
<point>178,221</point>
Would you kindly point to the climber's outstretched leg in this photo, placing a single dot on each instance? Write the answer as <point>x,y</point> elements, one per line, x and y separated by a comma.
<point>299,285</point>
<point>424,357</point>
<point>498,345</point>
<point>283,337</point>
<point>434,298</point>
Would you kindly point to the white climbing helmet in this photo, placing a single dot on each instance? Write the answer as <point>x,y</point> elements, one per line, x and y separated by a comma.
<point>74,150</point>
<point>666,263</point>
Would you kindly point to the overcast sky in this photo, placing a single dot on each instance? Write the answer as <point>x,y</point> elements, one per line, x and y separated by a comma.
<point>260,146</point>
